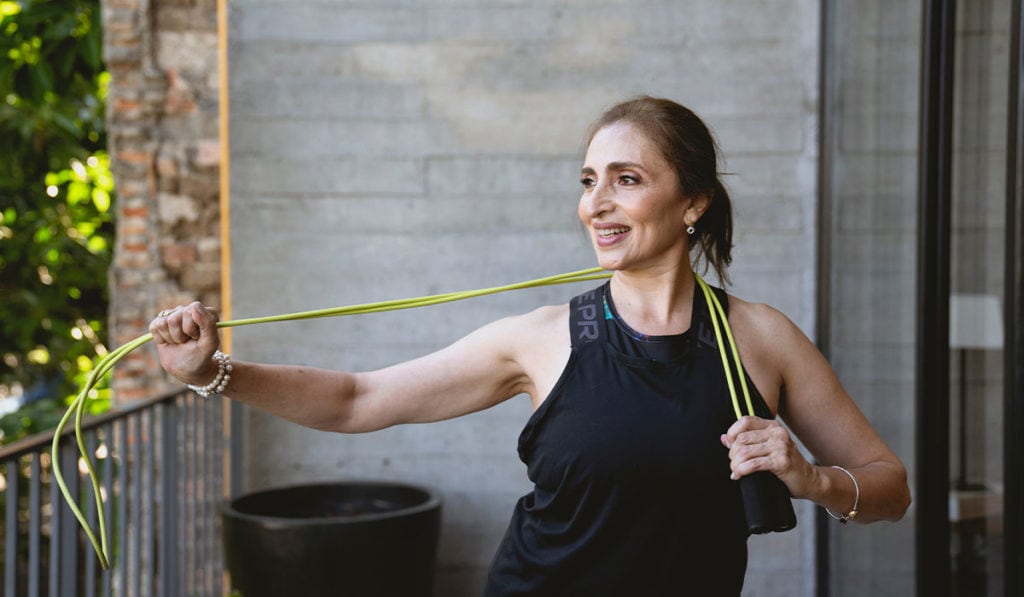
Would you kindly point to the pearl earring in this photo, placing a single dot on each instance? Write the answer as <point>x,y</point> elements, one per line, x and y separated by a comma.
<point>690,230</point>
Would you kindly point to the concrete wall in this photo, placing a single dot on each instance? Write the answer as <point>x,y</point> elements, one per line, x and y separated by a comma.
<point>399,148</point>
<point>872,191</point>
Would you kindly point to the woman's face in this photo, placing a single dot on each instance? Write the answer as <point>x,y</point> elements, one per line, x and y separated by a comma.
<point>632,203</point>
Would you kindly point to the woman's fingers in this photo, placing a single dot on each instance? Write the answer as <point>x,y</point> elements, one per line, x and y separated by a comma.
<point>176,327</point>
<point>757,444</point>
<point>186,338</point>
<point>201,324</point>
<point>160,327</point>
<point>184,324</point>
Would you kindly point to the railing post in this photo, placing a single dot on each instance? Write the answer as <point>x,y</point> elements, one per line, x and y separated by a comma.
<point>65,542</point>
<point>11,522</point>
<point>34,525</point>
<point>168,503</point>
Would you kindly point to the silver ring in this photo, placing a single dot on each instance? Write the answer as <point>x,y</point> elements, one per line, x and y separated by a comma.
<point>165,313</point>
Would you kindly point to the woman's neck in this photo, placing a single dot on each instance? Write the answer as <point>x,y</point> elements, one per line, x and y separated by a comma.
<point>655,302</point>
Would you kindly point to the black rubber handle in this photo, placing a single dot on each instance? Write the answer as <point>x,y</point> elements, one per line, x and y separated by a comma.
<point>767,503</point>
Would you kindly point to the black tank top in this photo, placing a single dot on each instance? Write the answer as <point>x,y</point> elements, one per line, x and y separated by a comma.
<point>632,494</point>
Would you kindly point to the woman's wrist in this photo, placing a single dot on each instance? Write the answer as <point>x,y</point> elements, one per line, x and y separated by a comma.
<point>838,492</point>
<point>849,514</point>
<point>221,377</point>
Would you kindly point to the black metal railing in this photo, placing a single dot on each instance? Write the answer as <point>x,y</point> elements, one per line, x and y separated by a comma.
<point>160,467</point>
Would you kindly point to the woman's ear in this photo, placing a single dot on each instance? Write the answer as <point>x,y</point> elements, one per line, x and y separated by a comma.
<point>696,206</point>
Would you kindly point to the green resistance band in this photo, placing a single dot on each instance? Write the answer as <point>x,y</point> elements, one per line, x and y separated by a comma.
<point>718,321</point>
<point>104,365</point>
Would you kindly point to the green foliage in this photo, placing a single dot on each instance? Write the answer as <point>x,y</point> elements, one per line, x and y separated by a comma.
<point>56,195</point>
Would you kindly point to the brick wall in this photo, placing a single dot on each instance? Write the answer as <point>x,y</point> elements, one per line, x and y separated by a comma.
<point>163,131</point>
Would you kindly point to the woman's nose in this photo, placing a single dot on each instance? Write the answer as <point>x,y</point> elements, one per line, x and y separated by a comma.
<point>597,201</point>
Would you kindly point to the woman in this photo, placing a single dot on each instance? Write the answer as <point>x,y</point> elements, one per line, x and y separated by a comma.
<point>633,446</point>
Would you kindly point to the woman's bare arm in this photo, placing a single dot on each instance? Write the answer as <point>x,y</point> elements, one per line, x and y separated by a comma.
<point>479,371</point>
<point>818,410</point>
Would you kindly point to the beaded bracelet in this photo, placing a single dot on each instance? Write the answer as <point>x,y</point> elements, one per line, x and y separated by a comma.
<point>216,387</point>
<point>844,518</point>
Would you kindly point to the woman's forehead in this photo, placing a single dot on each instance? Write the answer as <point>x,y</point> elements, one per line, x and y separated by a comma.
<point>622,142</point>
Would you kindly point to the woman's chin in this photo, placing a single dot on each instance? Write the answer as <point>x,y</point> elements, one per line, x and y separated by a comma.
<point>609,263</point>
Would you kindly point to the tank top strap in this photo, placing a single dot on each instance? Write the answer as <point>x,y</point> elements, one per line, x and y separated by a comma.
<point>585,316</point>
<point>700,322</point>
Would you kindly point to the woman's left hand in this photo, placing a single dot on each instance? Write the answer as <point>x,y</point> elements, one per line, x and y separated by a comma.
<point>757,444</point>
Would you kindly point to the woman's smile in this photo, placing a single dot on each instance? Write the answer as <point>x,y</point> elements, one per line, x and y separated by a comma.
<point>609,234</point>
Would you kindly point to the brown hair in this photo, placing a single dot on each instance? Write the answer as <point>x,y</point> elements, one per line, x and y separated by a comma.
<point>686,143</point>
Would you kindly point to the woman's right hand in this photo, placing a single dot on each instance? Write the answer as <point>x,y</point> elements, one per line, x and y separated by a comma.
<point>186,338</point>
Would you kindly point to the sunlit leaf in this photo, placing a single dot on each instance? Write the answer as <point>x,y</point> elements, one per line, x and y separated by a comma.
<point>101,199</point>
<point>9,9</point>
<point>79,192</point>
<point>102,85</point>
<point>39,355</point>
<point>97,245</point>
<point>86,229</point>
<point>79,169</point>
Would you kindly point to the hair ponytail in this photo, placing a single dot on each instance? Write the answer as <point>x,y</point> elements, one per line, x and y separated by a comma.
<point>713,233</point>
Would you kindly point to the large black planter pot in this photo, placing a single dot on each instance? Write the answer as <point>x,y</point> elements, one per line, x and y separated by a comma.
<point>342,539</point>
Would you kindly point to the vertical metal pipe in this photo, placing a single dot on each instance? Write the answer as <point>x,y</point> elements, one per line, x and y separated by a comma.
<point>213,492</point>
<point>90,561</point>
<point>933,285</point>
<point>123,556</point>
<point>236,436</point>
<point>67,538</point>
<point>1013,353</point>
<point>123,547</point>
<point>135,548</point>
<point>191,484</point>
<point>219,489</point>
<point>823,259</point>
<point>168,513</point>
<point>34,523</point>
<point>12,475</point>
<point>70,534</point>
<point>108,506</point>
<point>198,521</point>
<point>56,526</point>
<point>202,555</point>
<point>150,504</point>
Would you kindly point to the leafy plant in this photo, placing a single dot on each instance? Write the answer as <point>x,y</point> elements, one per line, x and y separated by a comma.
<point>56,195</point>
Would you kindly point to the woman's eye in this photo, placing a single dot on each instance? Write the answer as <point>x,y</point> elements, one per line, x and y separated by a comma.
<point>587,182</point>
<point>627,179</point>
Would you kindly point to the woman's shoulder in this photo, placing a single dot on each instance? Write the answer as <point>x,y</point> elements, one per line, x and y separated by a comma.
<point>542,319</point>
<point>763,324</point>
<point>528,326</point>
<point>770,345</point>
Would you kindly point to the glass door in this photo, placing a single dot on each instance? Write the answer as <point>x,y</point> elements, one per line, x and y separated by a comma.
<point>922,154</point>
<point>967,487</point>
<point>977,296</point>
